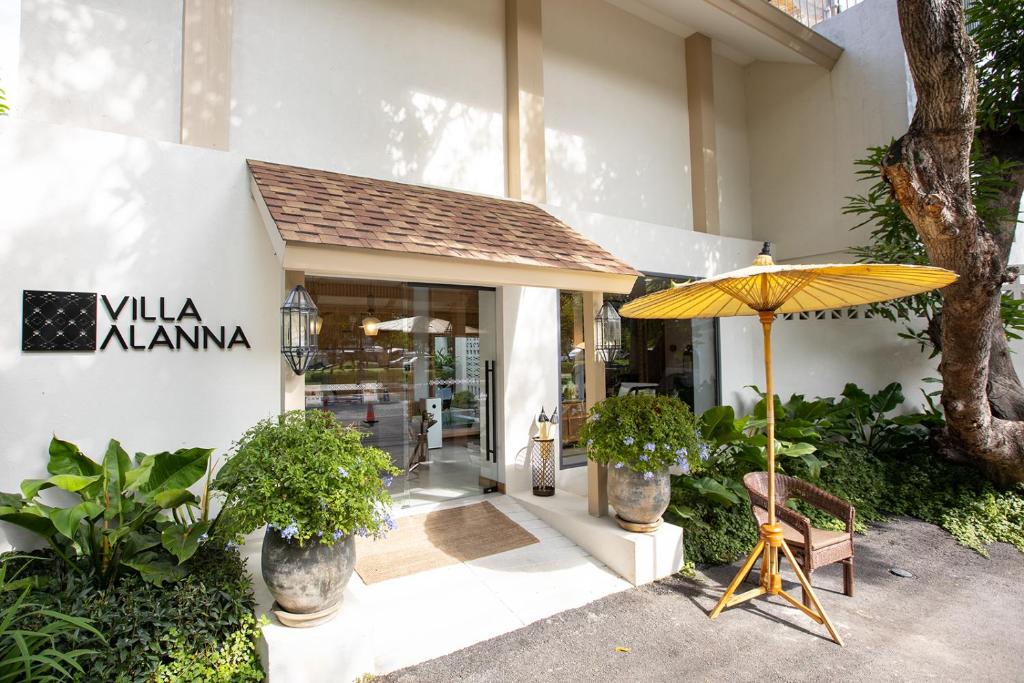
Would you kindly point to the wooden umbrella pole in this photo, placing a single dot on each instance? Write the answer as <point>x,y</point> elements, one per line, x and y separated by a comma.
<point>767,317</point>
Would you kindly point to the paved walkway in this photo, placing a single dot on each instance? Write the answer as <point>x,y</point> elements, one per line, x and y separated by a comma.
<point>959,619</point>
<point>414,618</point>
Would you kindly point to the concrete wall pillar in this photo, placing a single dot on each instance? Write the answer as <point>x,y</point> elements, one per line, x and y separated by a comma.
<point>597,475</point>
<point>206,73</point>
<point>700,102</point>
<point>524,101</point>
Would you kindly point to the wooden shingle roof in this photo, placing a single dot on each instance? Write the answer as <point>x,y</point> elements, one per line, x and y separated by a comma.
<point>322,207</point>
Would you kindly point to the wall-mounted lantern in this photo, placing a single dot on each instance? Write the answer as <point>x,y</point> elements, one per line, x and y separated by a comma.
<point>300,329</point>
<point>607,333</point>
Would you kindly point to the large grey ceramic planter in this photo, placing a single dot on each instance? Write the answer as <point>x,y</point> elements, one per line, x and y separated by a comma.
<point>310,578</point>
<point>639,502</point>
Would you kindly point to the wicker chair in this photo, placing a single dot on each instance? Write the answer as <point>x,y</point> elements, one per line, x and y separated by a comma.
<point>813,547</point>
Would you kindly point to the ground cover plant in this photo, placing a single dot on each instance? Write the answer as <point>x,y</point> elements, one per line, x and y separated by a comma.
<point>134,561</point>
<point>196,625</point>
<point>854,447</point>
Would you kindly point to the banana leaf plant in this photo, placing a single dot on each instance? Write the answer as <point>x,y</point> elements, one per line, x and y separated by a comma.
<point>740,443</point>
<point>137,515</point>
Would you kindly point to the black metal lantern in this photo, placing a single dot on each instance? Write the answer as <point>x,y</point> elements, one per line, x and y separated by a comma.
<point>300,329</point>
<point>607,333</point>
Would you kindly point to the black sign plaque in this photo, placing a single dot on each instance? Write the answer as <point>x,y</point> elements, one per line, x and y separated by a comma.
<point>58,321</point>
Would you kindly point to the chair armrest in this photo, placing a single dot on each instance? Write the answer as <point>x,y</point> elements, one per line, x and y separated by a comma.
<point>795,520</point>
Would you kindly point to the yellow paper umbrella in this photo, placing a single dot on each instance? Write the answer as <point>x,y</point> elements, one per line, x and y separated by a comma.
<point>765,290</point>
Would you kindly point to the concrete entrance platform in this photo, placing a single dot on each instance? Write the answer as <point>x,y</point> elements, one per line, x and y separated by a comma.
<point>396,623</point>
<point>637,557</point>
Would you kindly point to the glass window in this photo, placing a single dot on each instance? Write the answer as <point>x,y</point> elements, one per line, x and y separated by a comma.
<point>667,357</point>
<point>572,383</point>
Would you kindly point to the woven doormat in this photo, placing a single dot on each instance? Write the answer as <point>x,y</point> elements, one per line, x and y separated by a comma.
<point>439,539</point>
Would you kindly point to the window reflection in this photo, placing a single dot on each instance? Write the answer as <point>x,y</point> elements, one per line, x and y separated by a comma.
<point>663,357</point>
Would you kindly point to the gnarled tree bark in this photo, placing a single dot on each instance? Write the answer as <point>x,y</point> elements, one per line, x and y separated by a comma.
<point>929,172</point>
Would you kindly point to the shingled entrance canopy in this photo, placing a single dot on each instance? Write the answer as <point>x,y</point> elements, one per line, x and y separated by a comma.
<point>335,224</point>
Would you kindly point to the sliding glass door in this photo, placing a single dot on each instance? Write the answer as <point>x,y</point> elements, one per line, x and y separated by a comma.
<point>413,366</point>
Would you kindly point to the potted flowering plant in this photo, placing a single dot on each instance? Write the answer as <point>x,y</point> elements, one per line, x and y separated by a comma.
<point>315,486</point>
<point>639,437</point>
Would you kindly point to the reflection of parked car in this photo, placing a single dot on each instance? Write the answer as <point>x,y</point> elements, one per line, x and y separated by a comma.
<point>407,361</point>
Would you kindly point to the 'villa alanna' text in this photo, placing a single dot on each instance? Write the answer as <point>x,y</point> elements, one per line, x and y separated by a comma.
<point>137,324</point>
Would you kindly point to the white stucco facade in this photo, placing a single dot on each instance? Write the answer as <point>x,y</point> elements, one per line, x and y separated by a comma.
<point>397,90</point>
<point>103,64</point>
<point>615,114</point>
<point>99,197</point>
<point>807,126</point>
<point>91,211</point>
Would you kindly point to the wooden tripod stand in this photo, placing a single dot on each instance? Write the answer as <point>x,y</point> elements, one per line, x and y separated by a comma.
<point>771,538</point>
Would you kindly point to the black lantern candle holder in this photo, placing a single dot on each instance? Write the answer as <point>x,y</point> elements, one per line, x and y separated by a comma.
<point>543,466</point>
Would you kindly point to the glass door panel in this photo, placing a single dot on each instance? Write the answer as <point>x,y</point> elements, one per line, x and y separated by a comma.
<point>408,365</point>
<point>486,390</point>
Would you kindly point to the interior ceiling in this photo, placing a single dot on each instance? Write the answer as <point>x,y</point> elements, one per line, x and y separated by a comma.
<point>730,37</point>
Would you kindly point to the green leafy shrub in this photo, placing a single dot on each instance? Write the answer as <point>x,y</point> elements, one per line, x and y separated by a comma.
<point>643,433</point>
<point>855,475</point>
<point>307,476</point>
<point>129,516</point>
<point>716,532</point>
<point>882,464</point>
<point>145,627</point>
<point>861,419</point>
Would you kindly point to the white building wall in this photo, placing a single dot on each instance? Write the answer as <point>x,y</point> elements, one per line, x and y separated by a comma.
<point>99,212</point>
<point>112,65</point>
<point>406,90</point>
<point>806,126</point>
<point>528,368</point>
<point>616,127</point>
<point>733,157</point>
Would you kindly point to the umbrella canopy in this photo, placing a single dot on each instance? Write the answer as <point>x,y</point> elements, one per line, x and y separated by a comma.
<point>788,289</point>
<point>765,289</point>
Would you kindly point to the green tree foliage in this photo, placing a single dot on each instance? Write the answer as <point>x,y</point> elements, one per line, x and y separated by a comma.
<point>894,239</point>
<point>997,26</point>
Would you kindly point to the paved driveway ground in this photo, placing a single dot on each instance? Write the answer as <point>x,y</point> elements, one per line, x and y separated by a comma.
<point>960,618</point>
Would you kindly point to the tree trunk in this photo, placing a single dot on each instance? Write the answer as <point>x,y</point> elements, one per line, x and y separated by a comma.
<point>929,172</point>
<point>1005,392</point>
